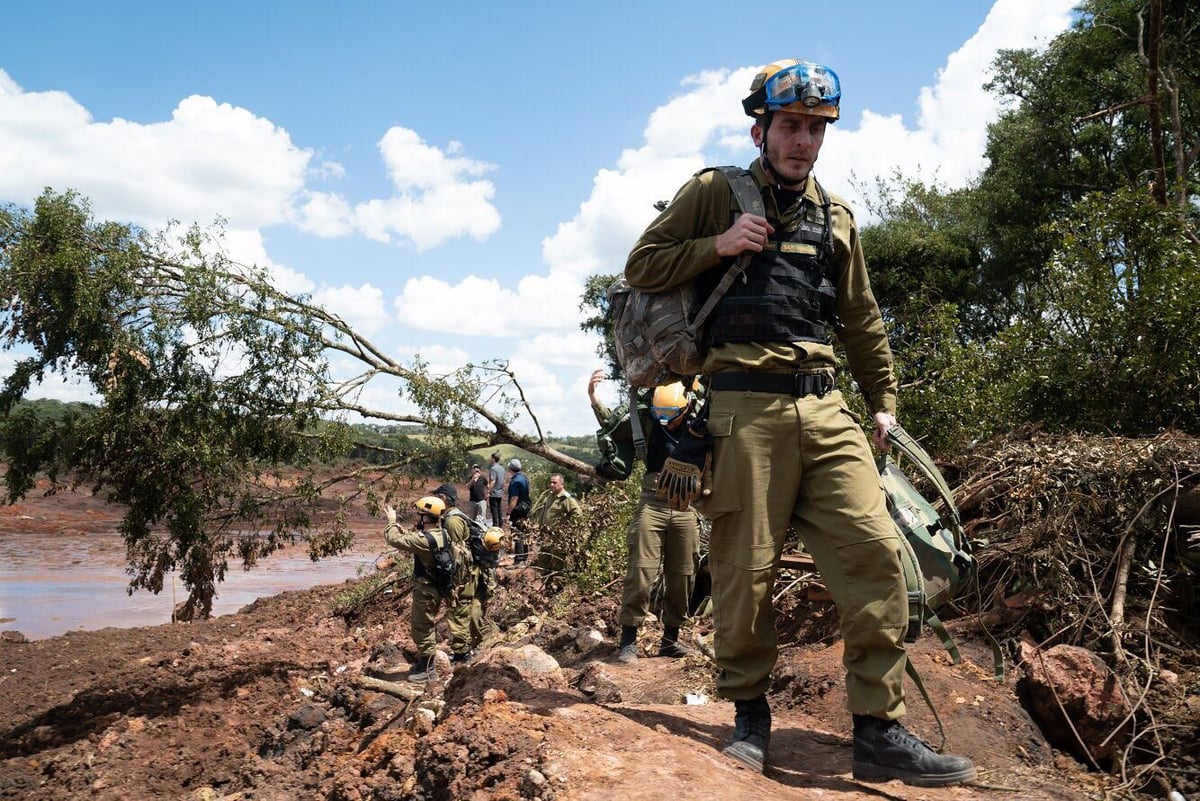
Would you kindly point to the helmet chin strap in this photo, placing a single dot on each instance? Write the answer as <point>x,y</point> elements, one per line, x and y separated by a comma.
<point>762,150</point>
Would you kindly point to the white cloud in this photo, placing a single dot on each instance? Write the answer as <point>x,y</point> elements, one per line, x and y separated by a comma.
<point>948,142</point>
<point>436,199</point>
<point>361,307</point>
<point>213,160</point>
<point>210,159</point>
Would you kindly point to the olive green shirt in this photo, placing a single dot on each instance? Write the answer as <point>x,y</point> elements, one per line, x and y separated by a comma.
<point>554,510</point>
<point>414,541</point>
<point>681,244</point>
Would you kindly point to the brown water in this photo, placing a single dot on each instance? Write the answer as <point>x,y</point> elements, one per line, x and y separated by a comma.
<point>54,583</point>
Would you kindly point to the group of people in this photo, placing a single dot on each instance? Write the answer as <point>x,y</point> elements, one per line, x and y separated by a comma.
<point>774,444</point>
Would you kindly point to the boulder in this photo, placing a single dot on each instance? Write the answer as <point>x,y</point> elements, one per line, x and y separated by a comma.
<point>1072,680</point>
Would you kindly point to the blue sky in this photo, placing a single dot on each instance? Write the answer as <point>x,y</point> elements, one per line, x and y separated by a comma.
<point>447,175</point>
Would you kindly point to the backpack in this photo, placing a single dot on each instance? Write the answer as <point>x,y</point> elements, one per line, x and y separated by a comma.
<point>937,558</point>
<point>657,335</point>
<point>452,563</point>
<point>480,555</point>
<point>621,439</point>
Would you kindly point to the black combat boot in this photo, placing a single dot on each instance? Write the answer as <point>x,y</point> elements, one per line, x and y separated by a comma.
<point>884,749</point>
<point>751,732</point>
<point>461,659</point>
<point>671,646</point>
<point>628,652</point>
<point>424,670</point>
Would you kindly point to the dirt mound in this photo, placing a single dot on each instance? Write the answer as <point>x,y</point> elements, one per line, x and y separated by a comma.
<point>263,704</point>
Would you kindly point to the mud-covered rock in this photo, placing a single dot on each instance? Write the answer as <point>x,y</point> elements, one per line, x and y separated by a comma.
<point>1076,701</point>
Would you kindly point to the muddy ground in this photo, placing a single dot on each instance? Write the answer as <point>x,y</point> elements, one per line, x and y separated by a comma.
<point>264,704</point>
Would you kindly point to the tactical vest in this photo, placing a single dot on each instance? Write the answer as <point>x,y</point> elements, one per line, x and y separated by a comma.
<point>787,293</point>
<point>660,445</point>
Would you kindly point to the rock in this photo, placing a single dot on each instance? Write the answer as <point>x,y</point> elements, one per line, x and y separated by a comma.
<point>421,722</point>
<point>587,639</point>
<point>596,684</point>
<point>1074,679</point>
<point>307,717</point>
<point>534,665</point>
<point>13,637</point>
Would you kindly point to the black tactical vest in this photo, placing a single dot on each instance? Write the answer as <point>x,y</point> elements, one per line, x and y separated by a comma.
<point>787,293</point>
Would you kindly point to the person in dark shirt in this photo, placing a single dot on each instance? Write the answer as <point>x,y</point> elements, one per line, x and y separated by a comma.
<point>477,489</point>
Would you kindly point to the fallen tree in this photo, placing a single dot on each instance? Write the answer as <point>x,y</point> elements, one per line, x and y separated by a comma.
<point>210,382</point>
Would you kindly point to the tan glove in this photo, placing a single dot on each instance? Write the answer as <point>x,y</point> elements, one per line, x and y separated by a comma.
<point>687,470</point>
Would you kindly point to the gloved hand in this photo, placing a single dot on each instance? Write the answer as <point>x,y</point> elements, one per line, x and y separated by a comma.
<point>687,472</point>
<point>390,512</point>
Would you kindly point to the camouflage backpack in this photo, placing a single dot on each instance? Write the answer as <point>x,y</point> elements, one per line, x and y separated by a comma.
<point>452,562</point>
<point>658,335</point>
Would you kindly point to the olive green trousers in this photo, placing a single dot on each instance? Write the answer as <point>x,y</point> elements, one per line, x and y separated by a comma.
<point>781,459</point>
<point>659,538</point>
<point>464,618</point>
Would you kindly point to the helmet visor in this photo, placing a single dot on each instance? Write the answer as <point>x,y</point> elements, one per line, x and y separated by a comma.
<point>810,85</point>
<point>665,414</point>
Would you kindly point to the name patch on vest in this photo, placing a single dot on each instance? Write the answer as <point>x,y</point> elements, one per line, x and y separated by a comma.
<point>802,248</point>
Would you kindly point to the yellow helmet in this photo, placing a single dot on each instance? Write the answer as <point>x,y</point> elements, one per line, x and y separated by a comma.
<point>669,401</point>
<point>430,505</point>
<point>493,538</point>
<point>793,85</point>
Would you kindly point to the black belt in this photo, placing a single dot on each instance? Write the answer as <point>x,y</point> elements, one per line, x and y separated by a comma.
<point>794,384</point>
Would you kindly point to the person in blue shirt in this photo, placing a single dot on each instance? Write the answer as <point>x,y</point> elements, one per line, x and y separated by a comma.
<point>518,510</point>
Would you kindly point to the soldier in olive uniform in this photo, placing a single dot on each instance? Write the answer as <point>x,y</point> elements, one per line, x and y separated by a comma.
<point>556,506</point>
<point>426,599</point>
<point>480,584</point>
<point>658,536</point>
<point>785,446</point>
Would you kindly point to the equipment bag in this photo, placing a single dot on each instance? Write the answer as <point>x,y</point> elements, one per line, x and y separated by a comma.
<point>480,555</point>
<point>621,439</point>
<point>451,564</point>
<point>937,559</point>
<point>658,335</point>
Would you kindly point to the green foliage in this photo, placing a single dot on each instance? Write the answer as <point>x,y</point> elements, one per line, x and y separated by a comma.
<point>1081,124</point>
<point>926,250</point>
<point>594,303</point>
<point>591,553</point>
<point>1116,347</point>
<point>211,382</point>
<point>205,390</point>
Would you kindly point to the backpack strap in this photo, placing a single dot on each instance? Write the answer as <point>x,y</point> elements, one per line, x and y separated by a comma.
<point>748,200</point>
<point>913,450</point>
<point>920,457</point>
<point>635,425</point>
<point>916,679</point>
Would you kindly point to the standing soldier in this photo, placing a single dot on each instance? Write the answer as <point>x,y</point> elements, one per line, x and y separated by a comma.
<point>556,506</point>
<point>783,444</point>
<point>426,599</point>
<point>659,536</point>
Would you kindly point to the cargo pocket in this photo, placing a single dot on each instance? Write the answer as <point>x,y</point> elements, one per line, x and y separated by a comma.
<point>725,496</point>
<point>872,582</point>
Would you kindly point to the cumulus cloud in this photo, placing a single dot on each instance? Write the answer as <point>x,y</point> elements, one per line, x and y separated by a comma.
<point>947,143</point>
<point>437,197</point>
<point>362,307</point>
<point>209,159</point>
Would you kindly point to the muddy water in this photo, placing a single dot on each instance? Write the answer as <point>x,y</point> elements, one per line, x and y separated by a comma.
<point>52,584</point>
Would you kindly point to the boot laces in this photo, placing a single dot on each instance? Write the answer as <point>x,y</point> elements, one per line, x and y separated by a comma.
<point>900,735</point>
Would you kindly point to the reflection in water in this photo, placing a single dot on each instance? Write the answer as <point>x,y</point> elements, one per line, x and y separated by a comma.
<point>50,585</point>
